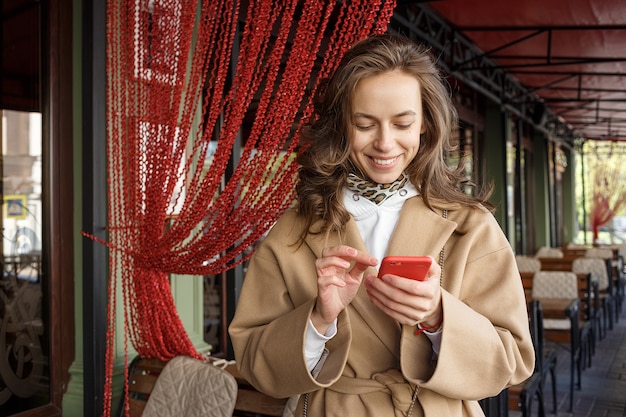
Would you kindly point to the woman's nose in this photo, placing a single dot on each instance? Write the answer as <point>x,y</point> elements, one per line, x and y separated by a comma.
<point>384,139</point>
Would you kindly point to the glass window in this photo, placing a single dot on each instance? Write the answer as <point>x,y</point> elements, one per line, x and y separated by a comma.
<point>24,351</point>
<point>463,145</point>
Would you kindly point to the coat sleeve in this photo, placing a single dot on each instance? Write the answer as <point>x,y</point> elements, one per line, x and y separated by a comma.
<point>486,344</point>
<point>269,326</point>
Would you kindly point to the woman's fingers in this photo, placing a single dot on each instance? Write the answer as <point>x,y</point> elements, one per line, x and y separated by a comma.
<point>407,301</point>
<point>339,275</point>
<point>339,259</point>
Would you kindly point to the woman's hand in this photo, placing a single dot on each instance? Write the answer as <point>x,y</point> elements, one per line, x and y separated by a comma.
<point>406,300</point>
<point>339,274</point>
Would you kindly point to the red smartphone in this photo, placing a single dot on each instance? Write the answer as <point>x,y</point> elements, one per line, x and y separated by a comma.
<point>413,267</point>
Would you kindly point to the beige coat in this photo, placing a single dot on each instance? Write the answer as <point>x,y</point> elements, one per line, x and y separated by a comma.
<point>485,344</point>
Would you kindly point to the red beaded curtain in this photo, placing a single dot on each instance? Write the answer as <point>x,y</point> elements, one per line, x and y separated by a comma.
<point>178,90</point>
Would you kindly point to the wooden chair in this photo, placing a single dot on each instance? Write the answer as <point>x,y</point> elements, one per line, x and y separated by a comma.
<point>496,406</point>
<point>620,275</point>
<point>527,263</point>
<point>557,264</point>
<point>521,395</point>
<point>545,358</point>
<point>566,326</point>
<point>142,375</point>
<point>527,283</point>
<point>574,250</point>
<point>604,302</point>
<point>611,255</point>
<point>599,252</point>
<point>548,252</point>
<point>588,290</point>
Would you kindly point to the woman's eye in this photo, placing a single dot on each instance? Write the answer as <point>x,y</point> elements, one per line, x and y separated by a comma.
<point>364,127</point>
<point>404,126</point>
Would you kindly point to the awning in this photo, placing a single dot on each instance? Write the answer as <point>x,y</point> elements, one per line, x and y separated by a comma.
<point>20,55</point>
<point>570,53</point>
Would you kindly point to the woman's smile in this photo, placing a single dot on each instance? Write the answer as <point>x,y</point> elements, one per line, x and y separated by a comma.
<point>387,162</point>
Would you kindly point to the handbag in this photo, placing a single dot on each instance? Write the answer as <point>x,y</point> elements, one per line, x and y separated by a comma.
<point>192,388</point>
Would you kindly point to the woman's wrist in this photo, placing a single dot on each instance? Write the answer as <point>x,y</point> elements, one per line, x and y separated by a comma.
<point>318,322</point>
<point>430,328</point>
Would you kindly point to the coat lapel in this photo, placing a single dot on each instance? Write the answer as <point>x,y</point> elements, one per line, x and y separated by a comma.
<point>420,231</point>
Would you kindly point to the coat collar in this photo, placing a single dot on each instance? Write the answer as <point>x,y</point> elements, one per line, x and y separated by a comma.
<point>419,231</point>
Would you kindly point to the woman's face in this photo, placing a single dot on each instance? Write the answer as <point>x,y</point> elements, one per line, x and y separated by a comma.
<point>386,124</point>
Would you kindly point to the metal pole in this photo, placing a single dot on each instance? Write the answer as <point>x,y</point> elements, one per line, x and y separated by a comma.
<point>95,264</point>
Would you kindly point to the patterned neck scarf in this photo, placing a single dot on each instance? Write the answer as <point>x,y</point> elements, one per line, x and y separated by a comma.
<point>376,193</point>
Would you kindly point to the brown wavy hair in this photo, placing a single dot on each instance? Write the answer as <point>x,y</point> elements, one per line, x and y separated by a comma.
<point>324,162</point>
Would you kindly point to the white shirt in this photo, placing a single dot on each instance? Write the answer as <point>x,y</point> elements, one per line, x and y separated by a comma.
<point>376,223</point>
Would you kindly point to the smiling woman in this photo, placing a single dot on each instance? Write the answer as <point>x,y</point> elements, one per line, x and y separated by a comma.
<point>373,182</point>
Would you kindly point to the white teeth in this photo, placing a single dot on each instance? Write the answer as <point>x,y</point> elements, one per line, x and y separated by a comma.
<point>384,161</point>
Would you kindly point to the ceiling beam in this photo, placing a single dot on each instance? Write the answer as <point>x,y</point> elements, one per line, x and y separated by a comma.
<point>538,27</point>
<point>557,72</point>
<point>420,23</point>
